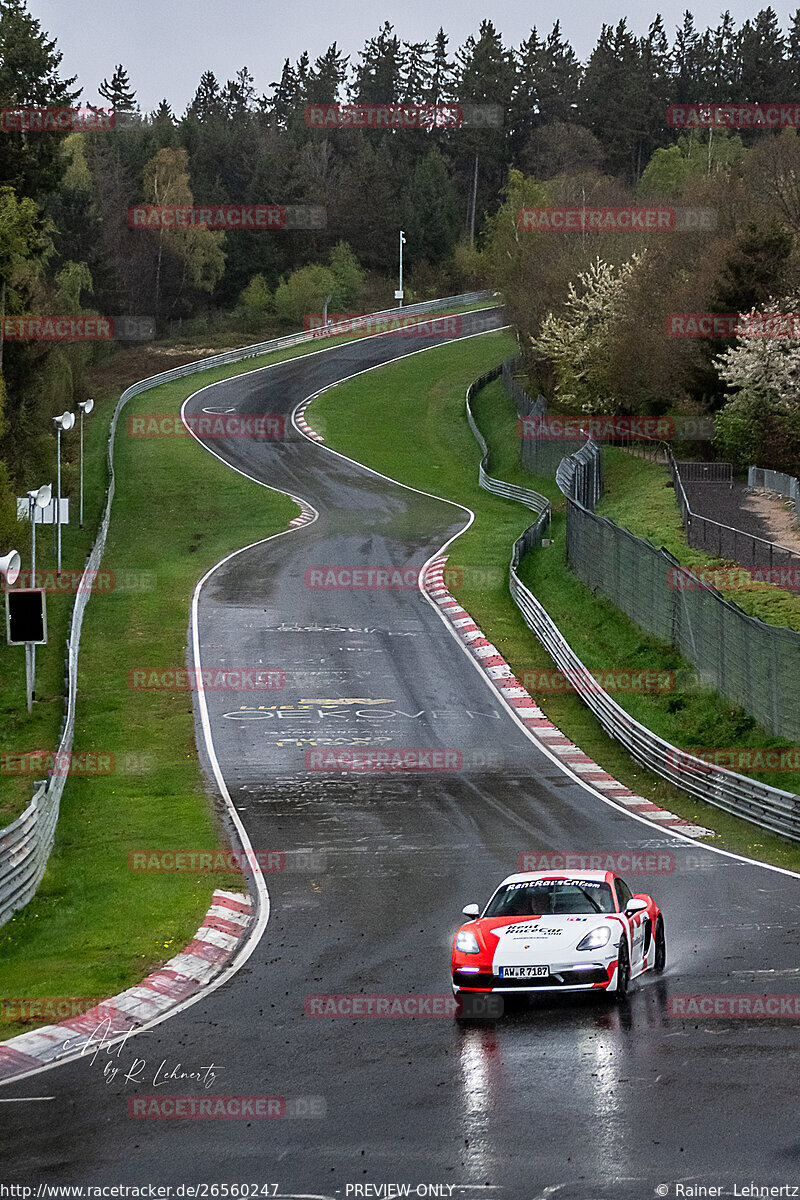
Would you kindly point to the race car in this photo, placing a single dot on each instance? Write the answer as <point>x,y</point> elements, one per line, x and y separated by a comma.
<point>545,931</point>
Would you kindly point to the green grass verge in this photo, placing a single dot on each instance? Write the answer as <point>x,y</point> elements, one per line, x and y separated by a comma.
<point>639,496</point>
<point>420,403</point>
<point>22,732</point>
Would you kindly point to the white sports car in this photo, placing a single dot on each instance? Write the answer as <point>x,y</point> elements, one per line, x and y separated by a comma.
<point>557,931</point>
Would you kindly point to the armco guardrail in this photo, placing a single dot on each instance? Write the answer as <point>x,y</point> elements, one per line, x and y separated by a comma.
<point>776,481</point>
<point>768,807</point>
<point>498,487</point>
<point>24,849</point>
<point>25,845</point>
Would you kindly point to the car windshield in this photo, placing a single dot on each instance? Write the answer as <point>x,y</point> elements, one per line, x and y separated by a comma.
<point>539,897</point>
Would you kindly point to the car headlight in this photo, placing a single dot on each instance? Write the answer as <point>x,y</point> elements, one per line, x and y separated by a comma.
<point>597,938</point>
<point>466,942</point>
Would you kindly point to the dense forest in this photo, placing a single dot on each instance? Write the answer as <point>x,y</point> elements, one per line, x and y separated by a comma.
<point>591,307</point>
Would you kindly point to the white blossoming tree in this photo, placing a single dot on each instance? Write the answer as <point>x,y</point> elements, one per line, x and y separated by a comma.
<point>760,424</point>
<point>767,363</point>
<point>580,342</point>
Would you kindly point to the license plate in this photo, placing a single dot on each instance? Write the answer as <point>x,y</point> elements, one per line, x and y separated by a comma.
<point>523,972</point>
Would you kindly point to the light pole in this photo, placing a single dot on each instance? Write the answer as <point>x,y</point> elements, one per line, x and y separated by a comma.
<point>400,284</point>
<point>65,422</point>
<point>37,498</point>
<point>86,407</point>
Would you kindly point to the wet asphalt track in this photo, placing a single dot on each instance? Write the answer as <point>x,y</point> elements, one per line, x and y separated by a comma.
<point>570,1098</point>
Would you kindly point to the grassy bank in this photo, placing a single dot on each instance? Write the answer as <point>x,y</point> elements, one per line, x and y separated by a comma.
<point>22,732</point>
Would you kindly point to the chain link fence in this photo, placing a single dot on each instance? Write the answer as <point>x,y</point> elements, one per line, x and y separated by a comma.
<point>776,481</point>
<point>540,451</point>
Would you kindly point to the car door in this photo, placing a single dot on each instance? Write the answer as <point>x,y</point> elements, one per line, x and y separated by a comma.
<point>635,924</point>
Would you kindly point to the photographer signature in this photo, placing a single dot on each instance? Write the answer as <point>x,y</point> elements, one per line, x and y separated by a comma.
<point>104,1041</point>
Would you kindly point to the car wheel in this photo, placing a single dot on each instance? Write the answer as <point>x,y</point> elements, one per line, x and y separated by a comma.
<point>661,948</point>
<point>623,969</point>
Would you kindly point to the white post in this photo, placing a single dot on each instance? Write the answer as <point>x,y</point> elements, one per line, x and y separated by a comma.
<point>58,501</point>
<point>30,668</point>
<point>32,519</point>
<point>400,284</point>
<point>86,407</point>
<point>65,422</point>
<point>80,519</point>
<point>30,648</point>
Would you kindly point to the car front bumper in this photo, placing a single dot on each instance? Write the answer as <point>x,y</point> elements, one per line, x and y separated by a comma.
<point>590,976</point>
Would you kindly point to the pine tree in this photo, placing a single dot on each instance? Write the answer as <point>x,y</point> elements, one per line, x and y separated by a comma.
<point>793,58</point>
<point>117,91</point>
<point>379,76</point>
<point>441,87</point>
<point>762,50</point>
<point>486,69</point>
<point>614,100</point>
<point>302,73</point>
<point>29,74</point>
<point>486,79</point>
<point>163,114</point>
<point>327,77</point>
<point>721,52</point>
<point>526,102</point>
<point>658,86</point>
<point>431,218</point>
<point>286,97</point>
<point>687,60</point>
<point>238,97</point>
<point>348,274</point>
<point>417,71</point>
<point>369,204</point>
<point>207,101</point>
<point>559,78</point>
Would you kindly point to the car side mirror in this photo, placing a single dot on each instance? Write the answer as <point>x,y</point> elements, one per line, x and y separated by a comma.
<point>471,910</point>
<point>635,906</point>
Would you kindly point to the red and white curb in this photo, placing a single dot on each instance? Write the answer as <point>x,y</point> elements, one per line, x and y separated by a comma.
<point>224,927</point>
<point>502,677</point>
<point>306,516</point>
<point>300,421</point>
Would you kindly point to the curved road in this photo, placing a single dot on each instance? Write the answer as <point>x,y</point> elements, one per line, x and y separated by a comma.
<point>569,1098</point>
